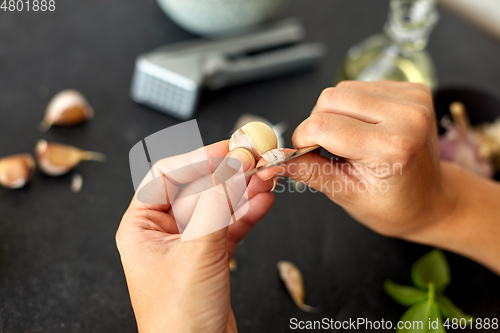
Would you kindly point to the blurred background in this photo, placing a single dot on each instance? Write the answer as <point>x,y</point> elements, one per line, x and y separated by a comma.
<point>59,267</point>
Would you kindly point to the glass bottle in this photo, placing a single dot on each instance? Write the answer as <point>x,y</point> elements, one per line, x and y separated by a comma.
<point>399,52</point>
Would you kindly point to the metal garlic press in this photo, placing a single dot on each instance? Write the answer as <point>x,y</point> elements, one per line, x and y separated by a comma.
<point>170,78</point>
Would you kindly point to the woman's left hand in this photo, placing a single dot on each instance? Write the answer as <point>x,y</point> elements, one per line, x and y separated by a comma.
<point>183,286</point>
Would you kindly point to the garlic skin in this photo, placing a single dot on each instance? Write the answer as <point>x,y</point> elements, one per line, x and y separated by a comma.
<point>68,107</point>
<point>76,183</point>
<point>256,137</point>
<point>55,159</point>
<point>16,170</point>
<point>273,155</point>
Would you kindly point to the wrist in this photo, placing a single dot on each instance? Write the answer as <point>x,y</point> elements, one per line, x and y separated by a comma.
<point>444,206</point>
<point>468,223</point>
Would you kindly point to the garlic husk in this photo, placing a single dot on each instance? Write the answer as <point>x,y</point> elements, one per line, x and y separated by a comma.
<point>55,159</point>
<point>16,170</point>
<point>68,107</point>
<point>294,283</point>
<point>76,183</point>
<point>241,140</point>
<point>273,155</point>
<point>257,137</point>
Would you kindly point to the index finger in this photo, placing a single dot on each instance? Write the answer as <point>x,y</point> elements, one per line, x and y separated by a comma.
<point>341,135</point>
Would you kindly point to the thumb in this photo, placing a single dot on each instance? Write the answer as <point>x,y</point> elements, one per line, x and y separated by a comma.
<point>214,210</point>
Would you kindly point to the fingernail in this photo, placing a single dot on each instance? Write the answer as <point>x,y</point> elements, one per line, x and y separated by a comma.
<point>272,174</point>
<point>243,156</point>
<point>275,182</point>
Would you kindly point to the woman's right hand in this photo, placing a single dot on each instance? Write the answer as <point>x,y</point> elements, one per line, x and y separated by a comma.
<point>390,176</point>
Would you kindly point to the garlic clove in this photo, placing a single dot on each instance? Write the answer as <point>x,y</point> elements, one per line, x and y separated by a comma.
<point>294,283</point>
<point>68,107</point>
<point>16,170</point>
<point>256,137</point>
<point>56,159</point>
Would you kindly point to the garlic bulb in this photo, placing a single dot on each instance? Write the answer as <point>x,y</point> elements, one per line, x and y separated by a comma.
<point>55,159</point>
<point>463,149</point>
<point>294,283</point>
<point>256,137</point>
<point>471,148</point>
<point>68,107</point>
<point>16,170</point>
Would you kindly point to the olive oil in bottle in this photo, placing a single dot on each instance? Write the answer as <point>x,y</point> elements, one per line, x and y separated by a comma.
<point>399,52</point>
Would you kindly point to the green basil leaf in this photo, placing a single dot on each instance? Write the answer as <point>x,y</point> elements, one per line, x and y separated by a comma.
<point>450,310</point>
<point>421,313</point>
<point>431,268</point>
<point>424,317</point>
<point>414,315</point>
<point>404,295</point>
<point>436,324</point>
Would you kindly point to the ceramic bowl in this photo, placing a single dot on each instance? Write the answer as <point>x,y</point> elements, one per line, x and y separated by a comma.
<point>213,17</point>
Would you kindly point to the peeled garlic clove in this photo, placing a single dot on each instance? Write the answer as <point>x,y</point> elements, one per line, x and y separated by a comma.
<point>16,170</point>
<point>68,107</point>
<point>294,283</point>
<point>256,137</point>
<point>56,159</point>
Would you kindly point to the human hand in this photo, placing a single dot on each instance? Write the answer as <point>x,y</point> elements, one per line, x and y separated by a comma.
<point>178,286</point>
<point>390,176</point>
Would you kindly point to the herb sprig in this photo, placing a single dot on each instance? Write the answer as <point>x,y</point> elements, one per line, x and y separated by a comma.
<point>430,275</point>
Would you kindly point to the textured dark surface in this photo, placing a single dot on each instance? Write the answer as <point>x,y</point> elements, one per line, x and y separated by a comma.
<point>59,267</point>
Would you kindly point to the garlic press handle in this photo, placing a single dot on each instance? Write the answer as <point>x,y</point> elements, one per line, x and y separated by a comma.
<point>287,31</point>
<point>223,72</point>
